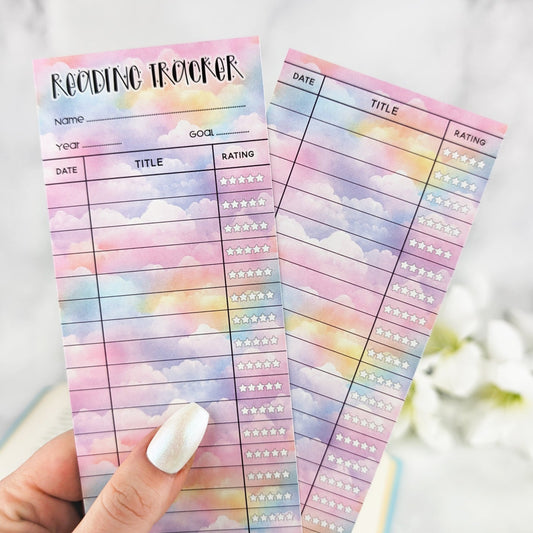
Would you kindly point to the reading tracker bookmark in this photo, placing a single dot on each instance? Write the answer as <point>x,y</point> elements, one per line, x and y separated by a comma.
<point>157,174</point>
<point>375,190</point>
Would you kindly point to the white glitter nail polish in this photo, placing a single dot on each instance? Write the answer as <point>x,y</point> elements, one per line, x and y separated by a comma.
<point>178,438</point>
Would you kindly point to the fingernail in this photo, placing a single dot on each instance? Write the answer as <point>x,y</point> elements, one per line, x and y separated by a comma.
<point>178,438</point>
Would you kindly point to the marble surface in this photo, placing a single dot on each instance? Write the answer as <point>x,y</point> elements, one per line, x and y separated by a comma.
<point>476,54</point>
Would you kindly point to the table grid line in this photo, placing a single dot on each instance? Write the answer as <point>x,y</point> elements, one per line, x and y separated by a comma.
<point>100,310</point>
<point>231,338</point>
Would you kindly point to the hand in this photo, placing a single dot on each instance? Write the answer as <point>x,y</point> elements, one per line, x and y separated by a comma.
<point>44,494</point>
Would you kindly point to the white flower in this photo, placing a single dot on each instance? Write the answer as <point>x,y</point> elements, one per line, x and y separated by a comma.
<point>504,411</point>
<point>455,358</point>
<point>459,373</point>
<point>504,342</point>
<point>459,312</point>
<point>421,413</point>
<point>523,321</point>
<point>502,417</point>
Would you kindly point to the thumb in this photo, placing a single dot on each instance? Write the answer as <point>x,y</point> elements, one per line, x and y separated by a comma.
<point>149,480</point>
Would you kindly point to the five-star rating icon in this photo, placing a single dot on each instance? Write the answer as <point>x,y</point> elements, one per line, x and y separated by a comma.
<point>247,250</point>
<point>267,364</point>
<point>429,248</point>
<point>246,227</point>
<point>364,422</point>
<point>249,342</point>
<point>462,184</point>
<point>261,387</point>
<point>421,271</point>
<point>396,337</point>
<point>385,357</point>
<point>277,496</point>
<point>269,408</point>
<point>253,318</point>
<point>330,502</point>
<point>372,401</point>
<point>447,229</point>
<point>419,295</point>
<point>264,432</point>
<point>240,180</point>
<point>463,158</point>
<point>447,202</point>
<point>267,453</point>
<point>269,475</point>
<point>258,201</point>
<point>251,296</point>
<point>332,526</point>
<point>351,464</point>
<point>372,377</point>
<point>250,273</point>
<point>272,517</point>
<point>340,484</point>
<point>404,315</point>
<point>356,443</point>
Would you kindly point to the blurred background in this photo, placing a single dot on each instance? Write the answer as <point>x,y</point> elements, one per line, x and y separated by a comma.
<point>466,437</point>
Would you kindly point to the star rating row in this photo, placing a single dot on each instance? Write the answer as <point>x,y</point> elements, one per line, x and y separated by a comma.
<point>256,341</point>
<point>258,365</point>
<point>429,248</point>
<point>269,386</point>
<point>463,184</point>
<point>348,463</point>
<point>395,336</point>
<point>412,293</point>
<point>388,358</point>
<point>242,204</point>
<point>332,526</point>
<point>251,296</point>
<point>332,503</point>
<point>454,206</point>
<point>370,400</point>
<point>250,273</point>
<point>259,454</point>
<point>404,315</point>
<point>449,229</point>
<point>237,228</point>
<point>356,443</point>
<point>365,423</point>
<point>272,517</point>
<point>275,474</point>
<point>421,271</point>
<point>247,250</point>
<point>270,497</point>
<point>271,409</point>
<point>253,319</point>
<point>380,380</point>
<point>464,158</point>
<point>264,432</point>
<point>233,180</point>
<point>338,483</point>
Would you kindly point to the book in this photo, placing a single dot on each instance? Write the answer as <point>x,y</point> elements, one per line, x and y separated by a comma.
<point>378,508</point>
<point>49,414</point>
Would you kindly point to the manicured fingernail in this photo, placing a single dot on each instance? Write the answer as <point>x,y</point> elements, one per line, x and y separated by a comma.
<point>178,438</point>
